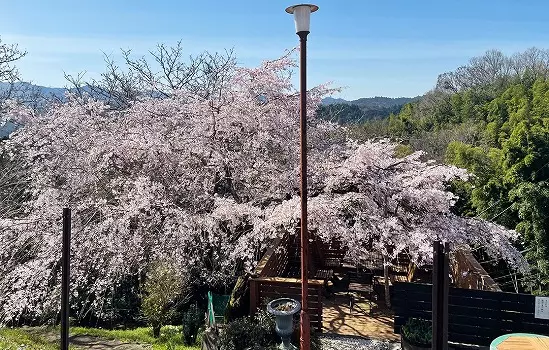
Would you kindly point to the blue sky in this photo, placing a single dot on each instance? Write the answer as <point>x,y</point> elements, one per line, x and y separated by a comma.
<point>371,47</point>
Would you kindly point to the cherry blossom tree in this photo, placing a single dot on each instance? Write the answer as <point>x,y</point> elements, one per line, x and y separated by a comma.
<point>205,182</point>
<point>372,200</point>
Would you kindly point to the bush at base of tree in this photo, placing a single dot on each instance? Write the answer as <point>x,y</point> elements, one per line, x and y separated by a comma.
<point>248,332</point>
<point>258,333</point>
<point>161,290</point>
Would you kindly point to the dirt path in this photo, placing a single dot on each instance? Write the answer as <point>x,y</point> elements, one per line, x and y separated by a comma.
<point>88,342</point>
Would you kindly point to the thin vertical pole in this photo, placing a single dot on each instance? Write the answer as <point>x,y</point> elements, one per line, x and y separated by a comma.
<point>65,279</point>
<point>441,286</point>
<point>436,339</point>
<point>304,319</point>
<point>445,294</point>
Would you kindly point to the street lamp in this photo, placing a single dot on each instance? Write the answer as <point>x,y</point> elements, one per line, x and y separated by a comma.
<point>302,16</point>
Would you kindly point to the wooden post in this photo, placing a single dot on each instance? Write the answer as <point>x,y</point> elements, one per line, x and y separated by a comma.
<point>65,278</point>
<point>319,290</point>
<point>445,294</point>
<point>254,296</point>
<point>440,296</point>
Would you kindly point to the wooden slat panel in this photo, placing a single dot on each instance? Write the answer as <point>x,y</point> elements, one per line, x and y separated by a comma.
<point>472,338</point>
<point>288,281</point>
<point>284,288</point>
<point>475,293</point>
<point>269,288</point>
<point>475,316</point>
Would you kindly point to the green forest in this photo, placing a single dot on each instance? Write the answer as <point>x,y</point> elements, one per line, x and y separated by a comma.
<point>491,117</point>
<point>360,110</point>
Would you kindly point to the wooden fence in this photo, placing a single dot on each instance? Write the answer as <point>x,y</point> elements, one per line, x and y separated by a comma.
<point>474,316</point>
<point>321,254</point>
<point>265,289</point>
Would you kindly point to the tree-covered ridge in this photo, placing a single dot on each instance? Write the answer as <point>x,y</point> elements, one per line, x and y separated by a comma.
<point>491,117</point>
<point>511,166</point>
<point>360,110</point>
<point>462,96</point>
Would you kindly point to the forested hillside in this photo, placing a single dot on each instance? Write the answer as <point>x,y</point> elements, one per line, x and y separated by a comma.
<point>490,116</point>
<point>360,110</point>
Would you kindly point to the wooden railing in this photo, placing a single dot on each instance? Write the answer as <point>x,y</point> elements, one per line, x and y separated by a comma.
<point>469,274</point>
<point>265,289</point>
<point>328,253</point>
<point>275,260</point>
<point>322,253</point>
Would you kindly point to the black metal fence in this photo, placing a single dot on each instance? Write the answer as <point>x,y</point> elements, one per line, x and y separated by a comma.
<point>474,316</point>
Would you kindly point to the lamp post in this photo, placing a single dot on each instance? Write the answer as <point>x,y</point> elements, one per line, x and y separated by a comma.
<point>302,17</point>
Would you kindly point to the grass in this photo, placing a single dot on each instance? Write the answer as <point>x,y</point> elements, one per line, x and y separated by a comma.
<point>35,339</point>
<point>17,338</point>
<point>171,337</point>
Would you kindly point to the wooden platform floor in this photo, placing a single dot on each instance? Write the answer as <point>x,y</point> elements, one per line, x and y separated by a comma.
<point>338,319</point>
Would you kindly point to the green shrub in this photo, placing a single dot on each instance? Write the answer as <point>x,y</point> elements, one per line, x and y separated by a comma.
<point>192,320</point>
<point>258,333</point>
<point>200,335</point>
<point>417,332</point>
<point>247,332</point>
<point>161,290</point>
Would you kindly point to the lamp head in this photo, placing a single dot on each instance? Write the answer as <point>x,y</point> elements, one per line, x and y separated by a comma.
<point>302,16</point>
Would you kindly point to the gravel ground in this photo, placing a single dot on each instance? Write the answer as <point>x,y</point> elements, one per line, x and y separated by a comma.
<point>331,342</point>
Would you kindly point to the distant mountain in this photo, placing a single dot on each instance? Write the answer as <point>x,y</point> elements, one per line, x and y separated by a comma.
<point>360,110</point>
<point>331,100</point>
<point>24,87</point>
<point>27,92</point>
<point>334,109</point>
<point>370,102</point>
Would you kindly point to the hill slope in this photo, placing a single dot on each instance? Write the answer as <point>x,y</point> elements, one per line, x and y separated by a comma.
<point>362,109</point>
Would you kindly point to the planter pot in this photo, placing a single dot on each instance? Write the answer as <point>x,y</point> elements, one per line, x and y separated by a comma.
<point>284,310</point>
<point>405,344</point>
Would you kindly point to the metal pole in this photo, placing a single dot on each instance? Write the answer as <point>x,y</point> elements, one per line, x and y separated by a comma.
<point>304,319</point>
<point>445,295</point>
<point>440,296</point>
<point>65,279</point>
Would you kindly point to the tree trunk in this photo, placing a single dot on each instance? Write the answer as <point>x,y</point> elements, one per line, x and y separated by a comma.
<point>156,331</point>
<point>386,282</point>
<point>238,303</point>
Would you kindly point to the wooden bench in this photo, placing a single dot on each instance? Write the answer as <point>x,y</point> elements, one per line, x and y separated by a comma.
<point>332,262</point>
<point>324,274</point>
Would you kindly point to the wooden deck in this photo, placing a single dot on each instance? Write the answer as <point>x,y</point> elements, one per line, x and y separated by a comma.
<point>337,319</point>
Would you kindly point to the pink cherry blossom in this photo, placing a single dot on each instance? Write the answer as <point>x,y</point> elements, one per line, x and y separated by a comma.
<point>207,183</point>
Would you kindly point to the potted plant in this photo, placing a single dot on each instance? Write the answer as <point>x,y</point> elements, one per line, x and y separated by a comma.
<point>284,310</point>
<point>416,334</point>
